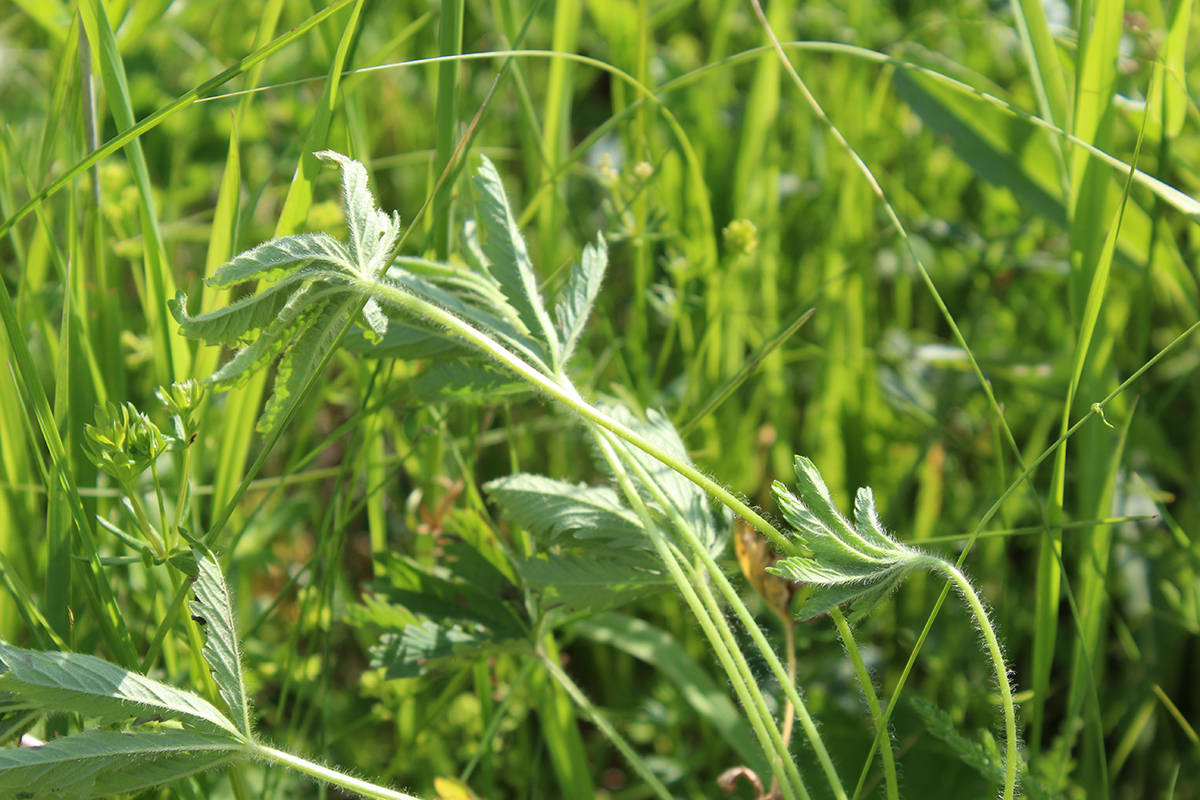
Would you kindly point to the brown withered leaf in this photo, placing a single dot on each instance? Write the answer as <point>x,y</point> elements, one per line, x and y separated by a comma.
<point>754,554</point>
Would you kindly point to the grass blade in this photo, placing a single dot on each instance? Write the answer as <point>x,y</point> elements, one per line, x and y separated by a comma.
<point>170,353</point>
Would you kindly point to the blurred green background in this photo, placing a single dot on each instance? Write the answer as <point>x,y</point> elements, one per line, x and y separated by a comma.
<point>730,209</point>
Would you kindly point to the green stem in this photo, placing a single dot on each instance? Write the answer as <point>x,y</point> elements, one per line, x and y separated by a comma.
<point>1012,758</point>
<point>325,774</point>
<point>864,680</point>
<point>783,752</point>
<point>398,298</point>
<point>708,623</point>
<point>185,490</point>
<point>581,700</point>
<point>135,503</point>
<point>164,534</point>
<point>751,625</point>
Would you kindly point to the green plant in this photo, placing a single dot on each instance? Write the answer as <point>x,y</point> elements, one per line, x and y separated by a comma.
<point>658,529</point>
<point>149,733</point>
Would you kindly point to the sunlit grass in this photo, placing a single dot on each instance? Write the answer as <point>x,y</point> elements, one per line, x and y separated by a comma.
<point>876,389</point>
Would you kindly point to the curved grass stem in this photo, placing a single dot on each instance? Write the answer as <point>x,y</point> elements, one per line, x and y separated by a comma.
<point>581,700</point>
<point>864,679</point>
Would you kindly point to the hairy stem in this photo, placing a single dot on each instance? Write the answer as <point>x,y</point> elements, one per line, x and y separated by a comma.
<point>1011,758</point>
<point>325,774</point>
<point>747,619</point>
<point>747,692</point>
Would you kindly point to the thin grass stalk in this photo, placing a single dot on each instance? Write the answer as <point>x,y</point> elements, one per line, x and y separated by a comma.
<point>203,90</point>
<point>602,722</point>
<point>450,33</point>
<point>868,687</point>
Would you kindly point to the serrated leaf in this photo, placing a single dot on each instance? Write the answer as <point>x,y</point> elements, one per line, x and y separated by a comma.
<point>315,337</point>
<point>826,547</point>
<point>375,317</point>
<point>866,519</point>
<point>984,755</point>
<point>278,257</point>
<point>406,341</point>
<point>508,257</point>
<point>98,763</point>
<point>211,604</point>
<point>552,508</point>
<point>373,233</point>
<point>422,645</point>
<point>581,583</point>
<point>413,586</point>
<point>690,500</point>
<point>81,684</point>
<point>472,381</point>
<point>810,570</point>
<point>238,322</point>
<point>828,520</point>
<point>858,563</point>
<point>575,302</point>
<point>301,317</point>
<point>272,341</point>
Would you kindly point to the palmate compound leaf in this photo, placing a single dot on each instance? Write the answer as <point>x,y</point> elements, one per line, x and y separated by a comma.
<point>97,690</point>
<point>99,763</point>
<point>441,617</point>
<point>466,381</point>
<point>446,597</point>
<point>857,563</point>
<point>302,315</point>
<point>211,606</point>
<point>425,645</point>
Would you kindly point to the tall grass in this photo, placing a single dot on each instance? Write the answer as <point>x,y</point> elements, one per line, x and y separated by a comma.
<point>128,171</point>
